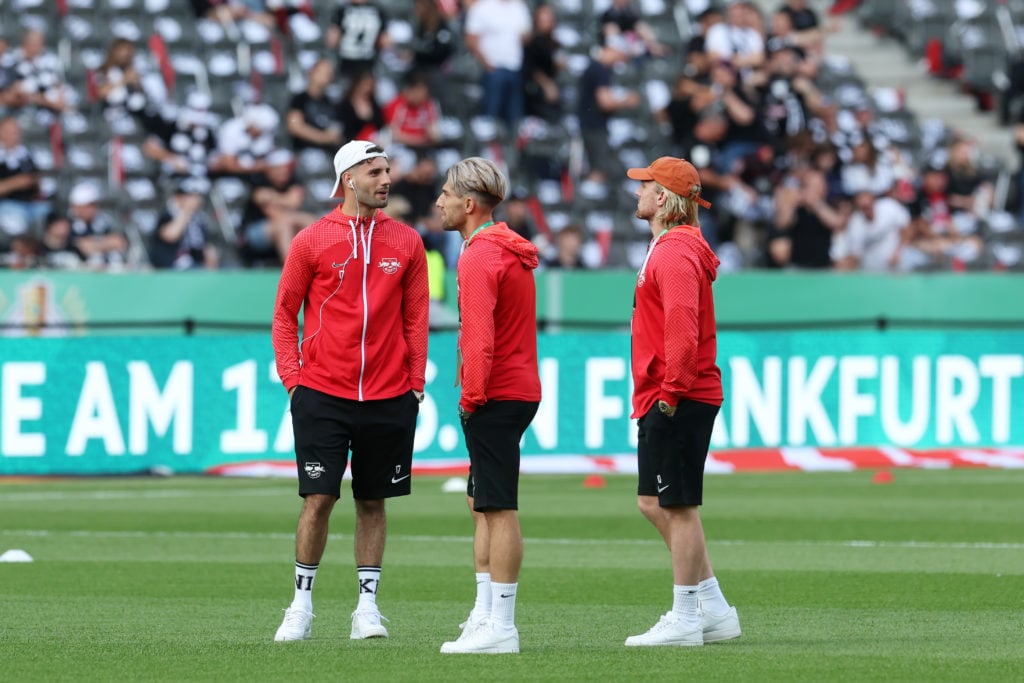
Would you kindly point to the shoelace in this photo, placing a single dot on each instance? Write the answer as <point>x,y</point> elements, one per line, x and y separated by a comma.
<point>294,617</point>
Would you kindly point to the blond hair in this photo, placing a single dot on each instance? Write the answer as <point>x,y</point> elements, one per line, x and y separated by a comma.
<point>480,177</point>
<point>678,210</point>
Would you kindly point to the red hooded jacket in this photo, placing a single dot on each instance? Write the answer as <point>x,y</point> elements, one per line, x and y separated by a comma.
<point>674,339</point>
<point>498,309</point>
<point>364,294</point>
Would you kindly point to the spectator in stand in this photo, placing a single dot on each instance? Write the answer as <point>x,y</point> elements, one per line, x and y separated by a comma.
<point>38,75</point>
<point>495,33</point>
<point>244,142</point>
<point>803,20</point>
<point>825,159</point>
<point>868,171</point>
<point>598,99</point>
<point>230,12</point>
<point>698,63</point>
<point>969,190</point>
<point>94,235</point>
<point>740,107</point>
<point>8,93</point>
<point>566,253</point>
<point>358,32</point>
<point>420,187</point>
<point>57,246</point>
<point>181,239</point>
<point>433,41</point>
<point>312,118</point>
<point>738,39</point>
<point>804,224</point>
<point>118,82</point>
<point>20,205</point>
<point>872,237</point>
<point>541,65</point>
<point>622,21</point>
<point>703,147</point>
<point>413,116</point>
<point>182,140</point>
<point>935,225</point>
<point>516,214</point>
<point>689,97</point>
<point>785,96</point>
<point>274,215</point>
<point>360,113</point>
<point>1018,136</point>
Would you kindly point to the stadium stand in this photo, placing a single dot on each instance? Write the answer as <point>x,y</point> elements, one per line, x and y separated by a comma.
<point>251,58</point>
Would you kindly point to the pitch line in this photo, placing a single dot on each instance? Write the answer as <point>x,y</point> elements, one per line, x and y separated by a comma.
<point>272,536</point>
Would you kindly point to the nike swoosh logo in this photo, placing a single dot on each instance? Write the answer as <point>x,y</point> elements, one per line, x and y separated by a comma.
<point>662,488</point>
<point>395,481</point>
<point>336,265</point>
<point>510,595</point>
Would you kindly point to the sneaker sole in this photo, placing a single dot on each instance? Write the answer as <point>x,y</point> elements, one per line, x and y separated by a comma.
<point>485,651</point>
<point>289,640</point>
<point>722,635</point>
<point>367,636</point>
<point>687,643</point>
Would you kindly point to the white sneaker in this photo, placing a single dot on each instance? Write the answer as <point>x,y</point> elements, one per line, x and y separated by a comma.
<point>366,624</point>
<point>722,627</point>
<point>297,625</point>
<point>485,638</point>
<point>670,630</point>
<point>472,623</point>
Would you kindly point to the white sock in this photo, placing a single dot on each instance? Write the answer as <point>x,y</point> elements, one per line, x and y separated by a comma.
<point>369,579</point>
<point>503,604</point>
<point>305,574</point>
<point>482,606</point>
<point>684,603</point>
<point>710,596</point>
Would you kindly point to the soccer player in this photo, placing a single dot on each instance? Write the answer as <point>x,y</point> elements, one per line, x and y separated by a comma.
<point>500,391</point>
<point>357,377</point>
<point>677,394</point>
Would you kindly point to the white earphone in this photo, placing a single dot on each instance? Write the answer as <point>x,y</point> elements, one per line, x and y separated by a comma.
<point>351,184</point>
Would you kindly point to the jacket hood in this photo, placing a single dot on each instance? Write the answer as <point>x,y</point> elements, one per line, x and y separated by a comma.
<point>699,245</point>
<point>507,239</point>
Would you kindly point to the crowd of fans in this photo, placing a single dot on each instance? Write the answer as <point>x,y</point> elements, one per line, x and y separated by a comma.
<point>219,166</point>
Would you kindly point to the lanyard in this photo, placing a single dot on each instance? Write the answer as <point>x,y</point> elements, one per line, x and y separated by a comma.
<point>647,257</point>
<point>473,234</point>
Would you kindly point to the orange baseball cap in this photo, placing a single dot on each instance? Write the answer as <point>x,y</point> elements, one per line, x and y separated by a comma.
<point>677,175</point>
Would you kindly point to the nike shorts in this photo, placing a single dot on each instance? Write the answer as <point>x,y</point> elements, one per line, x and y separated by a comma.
<point>492,438</point>
<point>379,434</point>
<point>672,450</point>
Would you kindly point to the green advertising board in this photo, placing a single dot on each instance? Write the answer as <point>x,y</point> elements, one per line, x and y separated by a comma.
<point>101,405</point>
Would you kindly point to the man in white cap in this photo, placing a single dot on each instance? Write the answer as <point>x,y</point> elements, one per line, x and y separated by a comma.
<point>357,377</point>
<point>93,233</point>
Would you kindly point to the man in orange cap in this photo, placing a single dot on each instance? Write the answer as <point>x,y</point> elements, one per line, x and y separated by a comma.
<point>677,394</point>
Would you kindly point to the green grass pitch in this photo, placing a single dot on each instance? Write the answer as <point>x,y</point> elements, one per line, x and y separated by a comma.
<point>835,579</point>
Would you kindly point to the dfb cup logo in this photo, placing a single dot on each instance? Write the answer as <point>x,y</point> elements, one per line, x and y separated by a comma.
<point>314,470</point>
<point>389,265</point>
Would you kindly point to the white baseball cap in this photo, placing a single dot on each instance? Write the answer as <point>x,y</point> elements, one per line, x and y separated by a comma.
<point>352,153</point>
<point>84,193</point>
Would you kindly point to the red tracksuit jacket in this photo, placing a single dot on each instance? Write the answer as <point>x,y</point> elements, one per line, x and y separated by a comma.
<point>498,309</point>
<point>674,340</point>
<point>364,293</point>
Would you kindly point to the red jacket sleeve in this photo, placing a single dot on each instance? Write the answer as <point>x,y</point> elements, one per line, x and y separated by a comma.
<point>292,289</point>
<point>679,281</point>
<point>416,315</point>
<point>478,296</point>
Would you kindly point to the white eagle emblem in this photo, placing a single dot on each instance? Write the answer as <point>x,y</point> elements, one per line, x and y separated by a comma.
<point>389,265</point>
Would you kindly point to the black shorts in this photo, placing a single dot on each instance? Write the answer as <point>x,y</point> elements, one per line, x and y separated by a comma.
<point>492,438</point>
<point>672,450</point>
<point>380,435</point>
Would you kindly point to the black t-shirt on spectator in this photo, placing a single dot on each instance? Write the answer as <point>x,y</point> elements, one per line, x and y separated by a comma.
<point>318,112</point>
<point>187,252</point>
<point>811,241</point>
<point>361,27</point>
<point>803,19</point>
<point>597,75</point>
<point>15,162</point>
